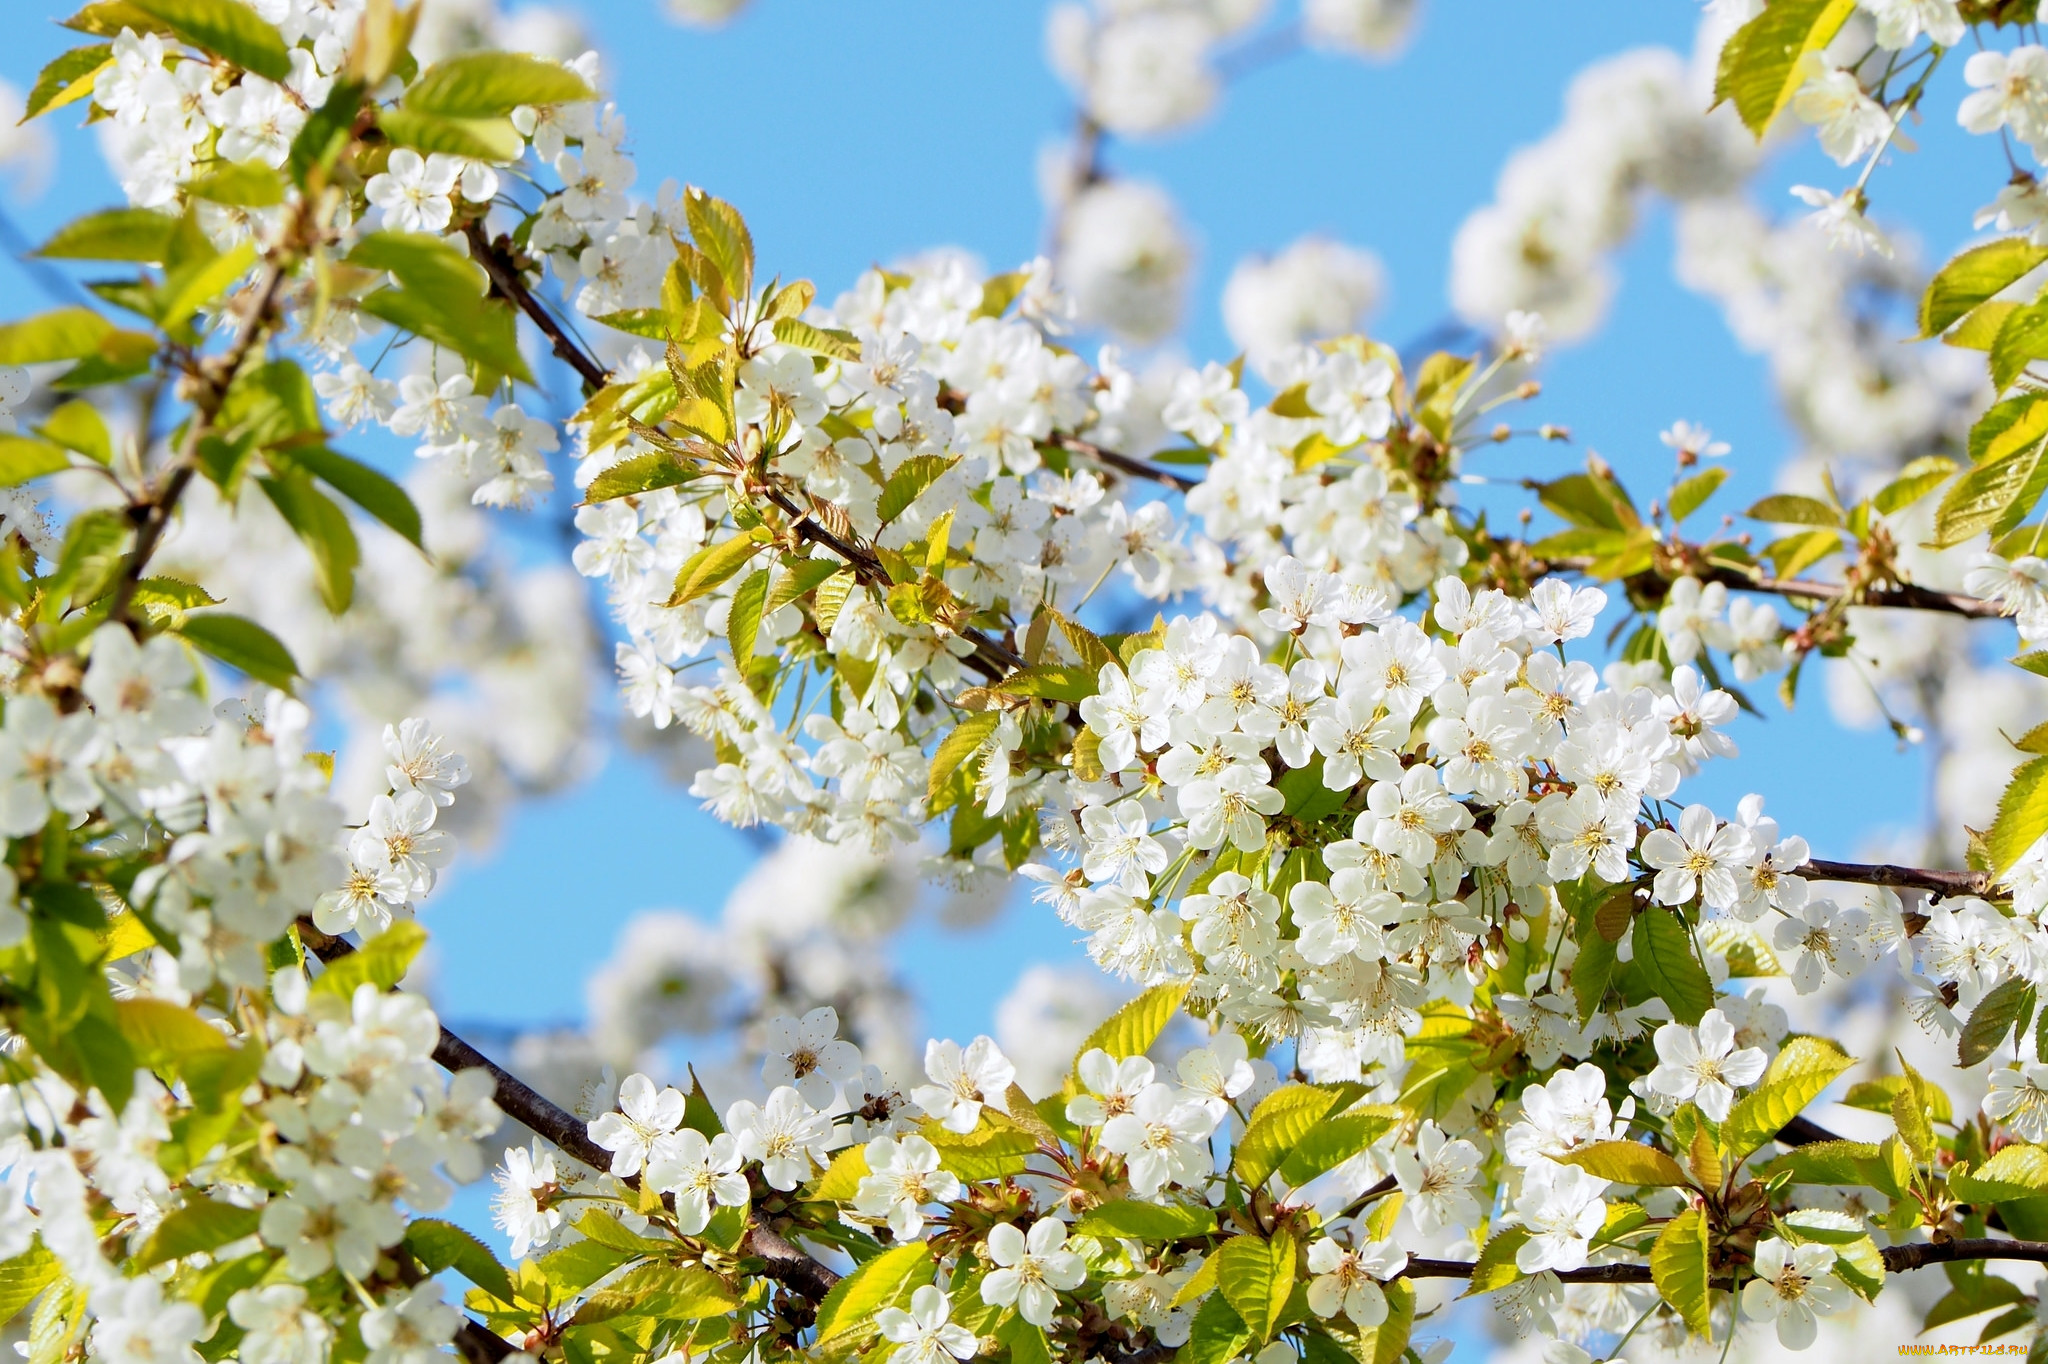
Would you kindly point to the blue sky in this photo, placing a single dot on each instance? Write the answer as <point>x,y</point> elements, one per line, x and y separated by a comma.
<point>851,134</point>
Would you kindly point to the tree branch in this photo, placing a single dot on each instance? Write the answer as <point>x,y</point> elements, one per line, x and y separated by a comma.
<point>496,260</point>
<point>1939,881</point>
<point>781,1260</point>
<point>1906,596</point>
<point>1137,468</point>
<point>152,514</point>
<point>1897,1259</point>
<point>479,1344</point>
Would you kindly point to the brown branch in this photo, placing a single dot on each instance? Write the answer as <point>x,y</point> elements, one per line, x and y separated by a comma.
<point>1939,881</point>
<point>991,659</point>
<point>496,259</point>
<point>1897,1259</point>
<point>1905,596</point>
<point>479,1344</point>
<point>1137,468</point>
<point>781,1261</point>
<point>152,513</point>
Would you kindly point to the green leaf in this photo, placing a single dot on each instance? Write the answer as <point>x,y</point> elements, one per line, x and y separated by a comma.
<point>1995,494</point>
<point>1759,67</point>
<point>1139,1221</point>
<point>1332,1142</point>
<point>382,961</point>
<point>1992,1021</point>
<point>226,28</point>
<point>998,1148</point>
<point>2022,815</point>
<point>240,184</point>
<point>911,478</point>
<point>1132,1029</point>
<point>743,622</point>
<point>1255,1276</point>
<point>327,133</point>
<point>885,1281</point>
<point>440,1245</point>
<point>1688,496</point>
<point>60,334</point>
<point>164,1034</point>
<point>2017,1171</point>
<point>1591,502</point>
<point>492,84</point>
<point>68,79</point>
<point>1664,959</point>
<point>1876,1096</point>
<point>2022,338</point>
<point>24,1276</point>
<point>605,1229</point>
<point>712,565</point>
<point>1829,1162</point>
<point>243,645</point>
<point>441,298</point>
<point>324,529</point>
<point>1052,681</point>
<point>1027,1341</point>
<point>1791,508</point>
<point>1217,1335</point>
<point>957,747</point>
<point>841,1182</point>
<point>794,331</point>
<point>201,281</point>
<point>721,234</point>
<point>77,425</point>
<point>573,1268</point>
<point>1914,482</point>
<point>1496,1267</point>
<point>359,483</point>
<point>479,139</point>
<point>1389,1339</point>
<point>1783,1095</point>
<point>1678,1266</point>
<point>640,474</point>
<point>23,458</point>
<point>125,234</point>
<point>1973,277</point>
<point>1277,1125</point>
<point>1628,1162</point>
<point>201,1225</point>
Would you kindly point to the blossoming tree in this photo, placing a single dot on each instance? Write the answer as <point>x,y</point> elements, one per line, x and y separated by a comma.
<point>1350,804</point>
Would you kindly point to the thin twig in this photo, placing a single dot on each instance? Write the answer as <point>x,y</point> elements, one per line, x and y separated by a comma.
<point>1905,596</point>
<point>152,515</point>
<point>1137,468</point>
<point>1908,878</point>
<point>781,1261</point>
<point>497,263</point>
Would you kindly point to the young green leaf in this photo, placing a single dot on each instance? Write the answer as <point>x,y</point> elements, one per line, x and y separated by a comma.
<point>1678,1266</point>
<point>68,79</point>
<point>243,645</point>
<point>493,84</point>
<point>1759,68</point>
<point>887,1280</point>
<point>326,533</point>
<point>60,334</point>
<point>1255,1276</point>
<point>119,234</point>
<point>479,139</point>
<point>1973,277</point>
<point>382,498</point>
<point>1664,958</point>
<point>382,961</point>
<point>226,28</point>
<point>202,1225</point>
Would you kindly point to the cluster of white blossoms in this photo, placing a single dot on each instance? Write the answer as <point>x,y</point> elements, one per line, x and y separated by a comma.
<point>1422,860</point>
<point>222,818</point>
